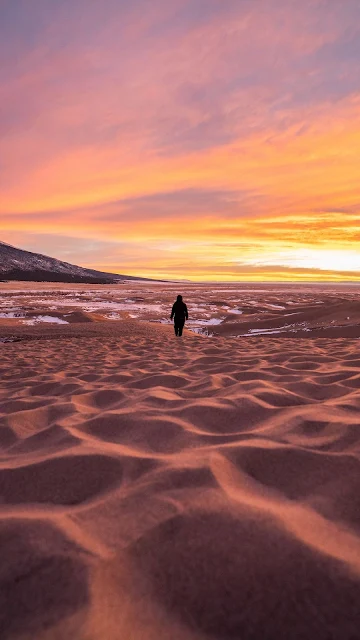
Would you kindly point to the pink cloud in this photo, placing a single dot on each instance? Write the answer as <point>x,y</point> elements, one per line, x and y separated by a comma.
<point>117,101</point>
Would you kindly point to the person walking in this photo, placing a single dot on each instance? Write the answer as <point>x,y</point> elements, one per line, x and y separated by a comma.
<point>180,314</point>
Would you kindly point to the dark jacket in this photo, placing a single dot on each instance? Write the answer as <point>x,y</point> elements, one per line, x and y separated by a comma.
<point>179,311</point>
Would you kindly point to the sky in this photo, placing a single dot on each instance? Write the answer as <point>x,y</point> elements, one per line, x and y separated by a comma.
<point>191,139</point>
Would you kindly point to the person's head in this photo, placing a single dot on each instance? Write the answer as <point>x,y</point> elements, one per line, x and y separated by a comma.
<point>179,298</point>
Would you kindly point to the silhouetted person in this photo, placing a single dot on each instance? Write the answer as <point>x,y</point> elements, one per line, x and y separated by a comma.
<point>180,314</point>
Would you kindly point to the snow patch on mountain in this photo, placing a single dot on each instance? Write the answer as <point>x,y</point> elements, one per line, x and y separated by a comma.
<point>17,264</point>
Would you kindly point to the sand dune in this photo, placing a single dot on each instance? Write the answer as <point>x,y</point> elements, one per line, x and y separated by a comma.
<point>290,310</point>
<point>155,488</point>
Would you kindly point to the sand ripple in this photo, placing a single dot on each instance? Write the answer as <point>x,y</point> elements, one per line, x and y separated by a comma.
<point>154,489</point>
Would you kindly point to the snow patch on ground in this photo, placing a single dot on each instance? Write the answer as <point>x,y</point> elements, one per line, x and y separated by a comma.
<point>12,314</point>
<point>274,306</point>
<point>39,319</point>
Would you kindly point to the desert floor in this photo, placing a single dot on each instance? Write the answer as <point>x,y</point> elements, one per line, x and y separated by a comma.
<point>162,488</point>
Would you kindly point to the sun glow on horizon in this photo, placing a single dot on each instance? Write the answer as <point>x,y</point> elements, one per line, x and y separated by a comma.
<point>319,259</point>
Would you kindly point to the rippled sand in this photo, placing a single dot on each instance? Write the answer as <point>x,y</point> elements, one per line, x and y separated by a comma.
<point>157,488</point>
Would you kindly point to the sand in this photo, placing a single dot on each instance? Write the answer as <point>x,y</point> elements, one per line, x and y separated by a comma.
<point>302,310</point>
<point>155,488</point>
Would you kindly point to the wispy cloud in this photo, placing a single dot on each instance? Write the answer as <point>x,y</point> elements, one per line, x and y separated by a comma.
<point>148,122</point>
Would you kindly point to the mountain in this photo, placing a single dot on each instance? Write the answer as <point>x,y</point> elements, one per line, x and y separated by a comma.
<point>16,264</point>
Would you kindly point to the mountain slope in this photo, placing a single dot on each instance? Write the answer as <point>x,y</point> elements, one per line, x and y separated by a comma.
<point>16,264</point>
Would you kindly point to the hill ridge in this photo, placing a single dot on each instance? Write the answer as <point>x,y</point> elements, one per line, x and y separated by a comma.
<point>20,264</point>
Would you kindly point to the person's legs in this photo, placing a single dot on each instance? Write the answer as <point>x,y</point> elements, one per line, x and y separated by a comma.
<point>181,326</point>
<point>176,328</point>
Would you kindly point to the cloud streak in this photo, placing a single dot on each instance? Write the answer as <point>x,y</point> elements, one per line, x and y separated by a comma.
<point>149,123</point>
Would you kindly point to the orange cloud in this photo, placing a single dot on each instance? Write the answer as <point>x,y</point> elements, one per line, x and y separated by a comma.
<point>207,133</point>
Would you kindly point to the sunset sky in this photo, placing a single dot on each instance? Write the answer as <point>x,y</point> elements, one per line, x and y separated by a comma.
<point>200,139</point>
